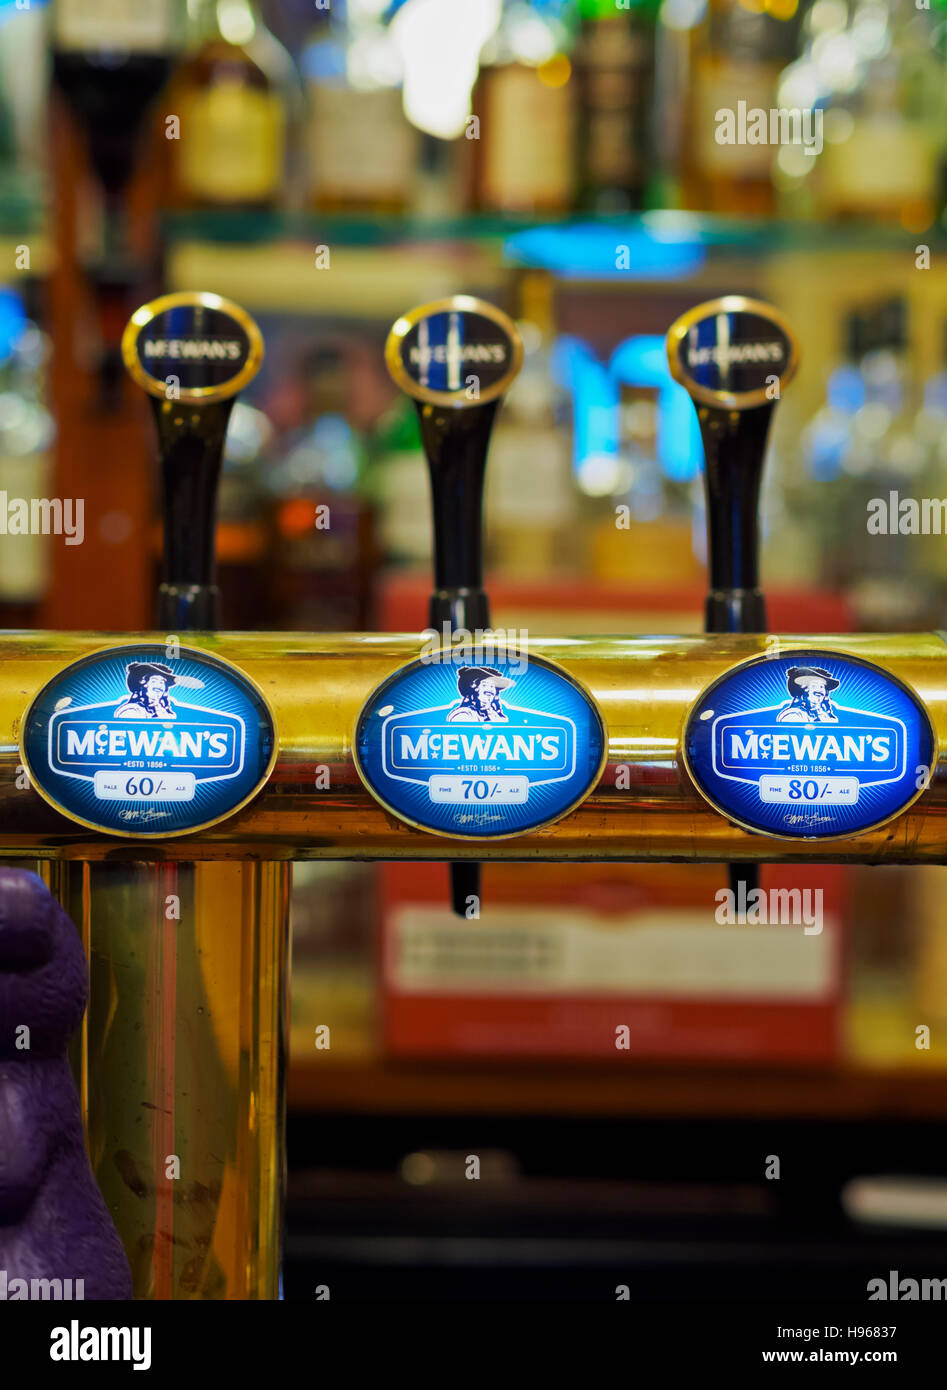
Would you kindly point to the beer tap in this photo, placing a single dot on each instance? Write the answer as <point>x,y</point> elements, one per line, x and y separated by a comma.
<point>186,1013</point>
<point>733,356</point>
<point>191,401</point>
<point>456,358</point>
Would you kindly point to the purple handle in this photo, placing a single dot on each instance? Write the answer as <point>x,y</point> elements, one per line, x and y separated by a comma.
<point>54,1224</point>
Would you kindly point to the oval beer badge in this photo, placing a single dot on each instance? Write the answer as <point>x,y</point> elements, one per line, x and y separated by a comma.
<point>132,742</point>
<point>204,347</point>
<point>459,351</point>
<point>808,745</point>
<point>730,352</point>
<point>480,744</point>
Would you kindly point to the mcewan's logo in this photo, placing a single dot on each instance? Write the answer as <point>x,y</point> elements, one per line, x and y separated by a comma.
<point>748,743</point>
<point>728,354</point>
<point>436,746</point>
<point>195,349</point>
<point>147,728</point>
<point>495,747</point>
<point>746,748</point>
<point>148,740</point>
<point>813,744</point>
<point>419,744</point>
<point>422,355</point>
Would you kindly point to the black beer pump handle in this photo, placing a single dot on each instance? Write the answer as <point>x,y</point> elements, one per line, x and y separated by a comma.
<point>192,353</point>
<point>734,450</point>
<point>191,448</point>
<point>733,356</point>
<point>455,358</point>
<point>455,445</point>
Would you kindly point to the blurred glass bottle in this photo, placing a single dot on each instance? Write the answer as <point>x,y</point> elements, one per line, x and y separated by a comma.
<point>322,535</point>
<point>530,496</point>
<point>881,77</point>
<point>362,151</point>
<point>399,486</point>
<point>931,434</point>
<point>241,519</point>
<point>10,183</point>
<point>718,54</point>
<point>26,438</point>
<point>890,381</point>
<point>525,99</point>
<point>236,96</point>
<point>651,532</point>
<point>23,126</point>
<point>827,438</point>
<point>885,463</point>
<point>111,58</point>
<point>615,61</point>
<point>932,424</point>
<point>819,493</point>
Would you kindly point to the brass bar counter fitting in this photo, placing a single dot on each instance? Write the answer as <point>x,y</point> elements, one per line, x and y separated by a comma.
<point>644,807</point>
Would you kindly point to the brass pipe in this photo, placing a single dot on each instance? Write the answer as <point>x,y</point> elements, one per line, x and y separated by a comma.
<point>315,806</point>
<point>182,1058</point>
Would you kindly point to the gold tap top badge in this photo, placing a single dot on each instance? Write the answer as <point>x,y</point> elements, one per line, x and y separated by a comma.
<point>731,352</point>
<point>458,352</point>
<point>192,346</point>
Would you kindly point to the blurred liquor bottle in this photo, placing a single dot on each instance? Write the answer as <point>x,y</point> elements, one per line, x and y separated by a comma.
<point>26,437</point>
<point>322,535</point>
<point>236,97</point>
<point>863,451</point>
<point>881,75</point>
<point>439,46</point>
<point>362,151</point>
<point>886,461</point>
<point>111,58</point>
<point>525,100</point>
<point>932,425</point>
<point>398,483</point>
<point>23,128</point>
<point>615,63</point>
<point>931,436</point>
<point>726,57</point>
<point>241,519</point>
<point>646,528</point>
<point>10,174</point>
<point>531,501</point>
<point>820,492</point>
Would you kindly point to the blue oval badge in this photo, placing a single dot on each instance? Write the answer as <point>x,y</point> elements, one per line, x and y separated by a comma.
<point>728,353</point>
<point>808,745</point>
<point>437,352</point>
<point>479,745</point>
<point>133,742</point>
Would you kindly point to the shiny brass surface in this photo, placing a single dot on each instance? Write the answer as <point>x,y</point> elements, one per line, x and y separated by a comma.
<point>180,1066</point>
<point>316,686</point>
